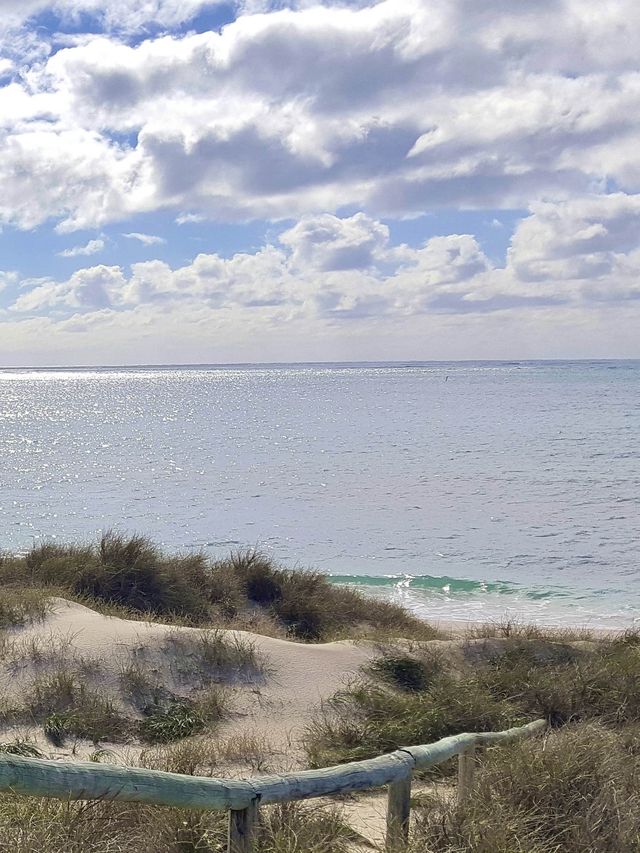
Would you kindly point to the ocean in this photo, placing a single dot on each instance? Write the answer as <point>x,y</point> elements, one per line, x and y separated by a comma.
<point>463,490</point>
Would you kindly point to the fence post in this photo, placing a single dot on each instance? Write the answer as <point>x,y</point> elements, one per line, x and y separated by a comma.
<point>398,810</point>
<point>242,825</point>
<point>466,773</point>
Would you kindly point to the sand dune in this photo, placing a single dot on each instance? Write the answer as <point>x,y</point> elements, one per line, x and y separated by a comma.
<point>300,676</point>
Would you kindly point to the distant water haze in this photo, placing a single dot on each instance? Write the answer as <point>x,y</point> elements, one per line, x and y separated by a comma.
<point>463,490</point>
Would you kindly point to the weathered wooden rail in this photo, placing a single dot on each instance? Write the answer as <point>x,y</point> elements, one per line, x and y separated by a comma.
<point>242,798</point>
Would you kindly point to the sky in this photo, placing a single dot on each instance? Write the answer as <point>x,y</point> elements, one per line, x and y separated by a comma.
<point>184,181</point>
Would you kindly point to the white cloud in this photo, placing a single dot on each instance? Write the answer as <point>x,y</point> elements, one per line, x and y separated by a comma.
<point>392,108</point>
<point>92,288</point>
<point>187,218</point>
<point>328,268</point>
<point>395,107</point>
<point>589,245</point>
<point>116,14</point>
<point>329,243</point>
<point>90,248</point>
<point>145,239</point>
<point>7,278</point>
<point>446,294</point>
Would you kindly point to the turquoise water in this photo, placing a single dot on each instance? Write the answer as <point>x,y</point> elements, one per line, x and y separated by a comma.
<point>463,490</point>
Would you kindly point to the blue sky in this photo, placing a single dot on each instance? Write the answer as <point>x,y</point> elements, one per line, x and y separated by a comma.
<point>193,181</point>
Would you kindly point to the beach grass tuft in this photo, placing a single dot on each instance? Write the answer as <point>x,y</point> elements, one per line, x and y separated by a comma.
<point>20,606</point>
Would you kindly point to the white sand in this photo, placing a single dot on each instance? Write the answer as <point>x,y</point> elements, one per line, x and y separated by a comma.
<point>300,675</point>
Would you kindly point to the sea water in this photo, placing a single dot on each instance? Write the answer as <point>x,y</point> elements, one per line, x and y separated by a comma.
<point>465,490</point>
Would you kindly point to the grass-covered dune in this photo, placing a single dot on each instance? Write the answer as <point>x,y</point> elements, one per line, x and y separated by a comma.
<point>176,699</point>
<point>576,790</point>
<point>133,577</point>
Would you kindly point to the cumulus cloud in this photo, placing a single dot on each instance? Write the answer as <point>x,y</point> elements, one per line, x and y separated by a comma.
<point>328,243</point>
<point>582,238</point>
<point>90,248</point>
<point>385,290</point>
<point>145,239</point>
<point>303,112</point>
<point>396,107</point>
<point>586,250</point>
<point>91,289</point>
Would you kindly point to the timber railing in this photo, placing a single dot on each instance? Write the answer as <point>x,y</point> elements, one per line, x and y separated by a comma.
<point>88,781</point>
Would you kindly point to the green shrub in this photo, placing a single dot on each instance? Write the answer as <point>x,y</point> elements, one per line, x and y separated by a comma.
<point>127,571</point>
<point>163,724</point>
<point>311,607</point>
<point>56,727</point>
<point>133,576</point>
<point>181,718</point>
<point>406,672</point>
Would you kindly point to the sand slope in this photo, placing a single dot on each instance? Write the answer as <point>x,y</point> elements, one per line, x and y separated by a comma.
<point>300,675</point>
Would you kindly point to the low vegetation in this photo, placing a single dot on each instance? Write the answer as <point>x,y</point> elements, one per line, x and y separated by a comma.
<point>19,606</point>
<point>505,682</point>
<point>170,689</point>
<point>409,672</point>
<point>31,824</point>
<point>68,707</point>
<point>131,576</point>
<point>577,792</point>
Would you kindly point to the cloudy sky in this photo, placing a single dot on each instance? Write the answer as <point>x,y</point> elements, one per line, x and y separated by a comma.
<point>188,181</point>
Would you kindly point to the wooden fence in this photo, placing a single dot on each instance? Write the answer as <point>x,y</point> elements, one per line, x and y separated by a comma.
<point>90,781</point>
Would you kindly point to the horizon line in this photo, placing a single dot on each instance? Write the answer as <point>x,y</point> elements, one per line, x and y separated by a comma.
<point>389,362</point>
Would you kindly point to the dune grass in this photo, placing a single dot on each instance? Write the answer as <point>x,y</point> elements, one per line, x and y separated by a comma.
<point>397,703</point>
<point>132,577</point>
<point>20,606</point>
<point>31,824</point>
<point>578,792</point>
<point>155,693</point>
<point>209,754</point>
<point>209,656</point>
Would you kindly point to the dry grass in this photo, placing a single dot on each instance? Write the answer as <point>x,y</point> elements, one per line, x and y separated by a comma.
<point>579,792</point>
<point>207,755</point>
<point>213,656</point>
<point>510,628</point>
<point>30,825</point>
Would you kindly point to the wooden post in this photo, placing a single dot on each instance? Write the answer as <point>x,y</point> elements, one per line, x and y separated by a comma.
<point>466,772</point>
<point>398,811</point>
<point>242,825</point>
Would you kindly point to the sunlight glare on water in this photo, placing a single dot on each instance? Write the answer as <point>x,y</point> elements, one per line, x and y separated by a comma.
<point>461,489</point>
